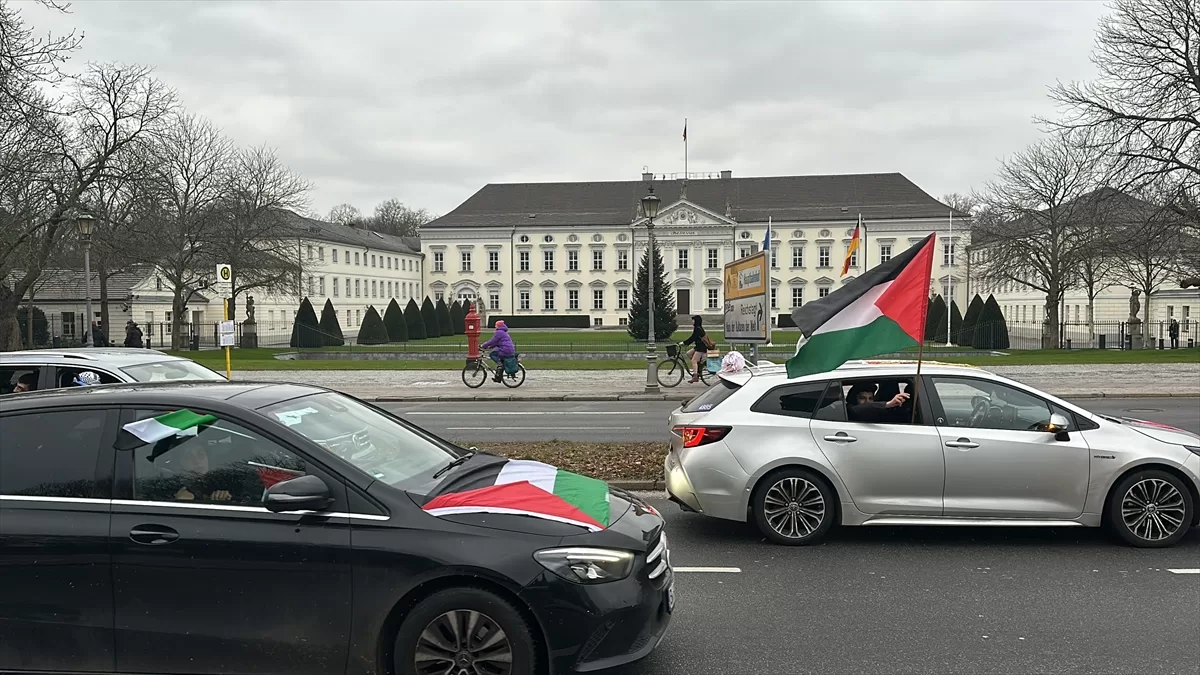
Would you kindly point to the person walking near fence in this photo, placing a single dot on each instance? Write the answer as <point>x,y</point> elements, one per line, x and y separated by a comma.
<point>1173,333</point>
<point>133,335</point>
<point>99,339</point>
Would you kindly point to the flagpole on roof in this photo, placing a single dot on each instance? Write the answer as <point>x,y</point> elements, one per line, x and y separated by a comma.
<point>950,280</point>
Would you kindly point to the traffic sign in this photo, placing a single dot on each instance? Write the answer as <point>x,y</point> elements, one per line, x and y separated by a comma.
<point>748,300</point>
<point>225,280</point>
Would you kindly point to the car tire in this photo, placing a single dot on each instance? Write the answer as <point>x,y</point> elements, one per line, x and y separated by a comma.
<point>794,507</point>
<point>1146,504</point>
<point>428,630</point>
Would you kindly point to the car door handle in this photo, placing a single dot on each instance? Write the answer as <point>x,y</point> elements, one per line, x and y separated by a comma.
<point>841,437</point>
<point>962,443</point>
<point>153,535</point>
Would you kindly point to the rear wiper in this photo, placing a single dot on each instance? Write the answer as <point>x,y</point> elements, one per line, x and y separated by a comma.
<point>458,462</point>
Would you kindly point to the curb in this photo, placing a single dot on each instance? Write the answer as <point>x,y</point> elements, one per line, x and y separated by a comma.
<point>466,398</point>
<point>637,485</point>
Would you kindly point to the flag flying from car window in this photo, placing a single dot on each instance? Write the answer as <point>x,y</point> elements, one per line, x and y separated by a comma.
<point>156,429</point>
<point>880,312</point>
<point>489,484</point>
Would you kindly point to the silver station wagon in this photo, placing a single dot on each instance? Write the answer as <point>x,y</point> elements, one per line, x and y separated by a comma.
<point>847,447</point>
<point>39,369</point>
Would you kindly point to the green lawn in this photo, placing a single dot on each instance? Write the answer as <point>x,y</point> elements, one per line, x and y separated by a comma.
<point>262,359</point>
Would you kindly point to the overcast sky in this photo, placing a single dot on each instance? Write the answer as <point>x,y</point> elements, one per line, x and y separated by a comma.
<point>428,102</point>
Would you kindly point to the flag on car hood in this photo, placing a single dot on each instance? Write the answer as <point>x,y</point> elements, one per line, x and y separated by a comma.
<point>880,312</point>
<point>490,484</point>
<point>156,429</point>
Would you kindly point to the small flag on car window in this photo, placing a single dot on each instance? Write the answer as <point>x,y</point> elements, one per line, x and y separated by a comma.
<point>155,429</point>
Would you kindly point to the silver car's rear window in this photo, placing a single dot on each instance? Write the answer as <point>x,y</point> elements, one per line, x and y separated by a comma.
<point>711,398</point>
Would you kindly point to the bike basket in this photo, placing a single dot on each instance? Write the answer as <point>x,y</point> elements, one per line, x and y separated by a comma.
<point>510,365</point>
<point>672,351</point>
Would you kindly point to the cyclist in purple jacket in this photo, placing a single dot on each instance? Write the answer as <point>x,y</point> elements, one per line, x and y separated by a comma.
<point>502,347</point>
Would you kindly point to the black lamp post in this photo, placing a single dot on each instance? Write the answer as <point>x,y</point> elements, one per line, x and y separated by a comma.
<point>84,224</point>
<point>650,204</point>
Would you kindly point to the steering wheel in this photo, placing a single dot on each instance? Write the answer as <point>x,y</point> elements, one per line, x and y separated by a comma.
<point>979,413</point>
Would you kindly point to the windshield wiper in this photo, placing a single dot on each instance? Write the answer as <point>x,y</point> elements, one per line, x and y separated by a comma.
<point>458,462</point>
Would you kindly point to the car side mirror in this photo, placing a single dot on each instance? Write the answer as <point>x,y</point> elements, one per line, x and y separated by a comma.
<point>1058,426</point>
<point>303,493</point>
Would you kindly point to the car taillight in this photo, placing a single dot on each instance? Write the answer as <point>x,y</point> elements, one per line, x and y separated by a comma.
<point>694,436</point>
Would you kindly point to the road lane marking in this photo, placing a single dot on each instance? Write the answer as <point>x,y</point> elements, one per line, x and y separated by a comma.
<point>1193,570</point>
<point>548,412</point>
<point>537,428</point>
<point>719,570</point>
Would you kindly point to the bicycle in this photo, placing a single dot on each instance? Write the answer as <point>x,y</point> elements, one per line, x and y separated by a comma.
<point>476,372</point>
<point>670,371</point>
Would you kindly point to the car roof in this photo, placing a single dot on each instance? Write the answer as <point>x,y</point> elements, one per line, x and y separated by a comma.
<point>772,374</point>
<point>112,356</point>
<point>248,395</point>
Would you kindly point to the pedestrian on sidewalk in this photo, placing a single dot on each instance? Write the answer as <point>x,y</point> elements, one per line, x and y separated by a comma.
<point>133,335</point>
<point>1173,333</point>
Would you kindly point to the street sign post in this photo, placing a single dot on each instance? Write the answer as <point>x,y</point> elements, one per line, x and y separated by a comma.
<point>226,330</point>
<point>748,300</point>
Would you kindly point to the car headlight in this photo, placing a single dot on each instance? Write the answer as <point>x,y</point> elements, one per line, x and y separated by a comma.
<point>586,565</point>
<point>1195,450</point>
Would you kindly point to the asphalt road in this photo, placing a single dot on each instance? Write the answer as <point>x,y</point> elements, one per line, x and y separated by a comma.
<point>646,420</point>
<point>927,600</point>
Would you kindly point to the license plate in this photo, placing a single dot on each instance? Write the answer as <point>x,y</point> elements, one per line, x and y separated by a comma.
<point>671,595</point>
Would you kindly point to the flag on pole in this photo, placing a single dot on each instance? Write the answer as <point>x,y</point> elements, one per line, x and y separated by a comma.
<point>685,130</point>
<point>767,239</point>
<point>853,246</point>
<point>880,312</point>
<point>144,432</point>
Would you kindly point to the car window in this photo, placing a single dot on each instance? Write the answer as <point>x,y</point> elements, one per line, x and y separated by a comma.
<point>983,404</point>
<point>51,454</point>
<point>214,463</point>
<point>169,371</point>
<point>65,377</point>
<point>376,443</point>
<point>791,400</point>
<point>881,390</point>
<point>712,398</point>
<point>832,408</point>
<point>10,376</point>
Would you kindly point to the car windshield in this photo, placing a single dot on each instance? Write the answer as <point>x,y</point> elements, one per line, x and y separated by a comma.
<point>170,371</point>
<point>374,442</point>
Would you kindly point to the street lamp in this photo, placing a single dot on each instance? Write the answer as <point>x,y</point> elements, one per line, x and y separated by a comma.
<point>83,225</point>
<point>650,205</point>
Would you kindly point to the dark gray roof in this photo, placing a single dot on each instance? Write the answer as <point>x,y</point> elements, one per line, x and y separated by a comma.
<point>344,234</point>
<point>67,285</point>
<point>877,196</point>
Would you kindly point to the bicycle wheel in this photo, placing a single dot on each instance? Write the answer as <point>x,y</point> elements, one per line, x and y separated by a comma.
<point>474,377</point>
<point>705,376</point>
<point>515,380</point>
<point>669,373</point>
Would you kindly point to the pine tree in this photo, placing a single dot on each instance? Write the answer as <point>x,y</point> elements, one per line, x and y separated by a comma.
<point>306,331</point>
<point>393,320</point>
<point>429,316</point>
<point>966,335</point>
<point>665,321</point>
<point>331,328</point>
<point>372,330</point>
<point>935,322</point>
<point>956,319</point>
<point>457,318</point>
<point>414,321</point>
<point>445,325</point>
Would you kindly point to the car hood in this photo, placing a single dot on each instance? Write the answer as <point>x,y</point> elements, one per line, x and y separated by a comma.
<point>1161,432</point>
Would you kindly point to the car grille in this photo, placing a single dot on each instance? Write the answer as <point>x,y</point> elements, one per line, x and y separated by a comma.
<point>658,560</point>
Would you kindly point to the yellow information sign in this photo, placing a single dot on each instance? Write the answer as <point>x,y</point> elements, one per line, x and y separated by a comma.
<point>748,300</point>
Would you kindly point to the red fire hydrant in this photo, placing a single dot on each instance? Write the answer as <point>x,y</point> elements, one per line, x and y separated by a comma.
<point>473,329</point>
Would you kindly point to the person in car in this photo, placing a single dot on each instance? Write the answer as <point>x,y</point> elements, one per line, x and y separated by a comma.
<point>864,408</point>
<point>86,379</point>
<point>27,382</point>
<point>503,347</point>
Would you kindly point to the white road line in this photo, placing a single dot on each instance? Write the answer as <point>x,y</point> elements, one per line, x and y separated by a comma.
<point>726,570</point>
<point>1192,570</point>
<point>548,412</point>
<point>537,428</point>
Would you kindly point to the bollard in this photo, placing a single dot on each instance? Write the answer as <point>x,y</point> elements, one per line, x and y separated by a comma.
<point>1160,343</point>
<point>1101,336</point>
<point>1068,343</point>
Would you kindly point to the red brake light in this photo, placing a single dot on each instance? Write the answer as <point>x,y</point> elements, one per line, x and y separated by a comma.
<point>694,436</point>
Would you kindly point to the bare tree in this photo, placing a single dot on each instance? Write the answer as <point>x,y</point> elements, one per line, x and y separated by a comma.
<point>968,204</point>
<point>28,60</point>
<point>345,214</point>
<point>1147,249</point>
<point>257,237</point>
<point>393,217</point>
<point>188,183</point>
<point>1032,235</point>
<point>57,159</point>
<point>1144,108</point>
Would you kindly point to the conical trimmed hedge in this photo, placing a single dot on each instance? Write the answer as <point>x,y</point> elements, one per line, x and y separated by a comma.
<point>966,335</point>
<point>456,318</point>
<point>393,320</point>
<point>445,324</point>
<point>935,322</point>
<point>956,319</point>
<point>306,330</point>
<point>429,316</point>
<point>414,321</point>
<point>331,328</point>
<point>372,330</point>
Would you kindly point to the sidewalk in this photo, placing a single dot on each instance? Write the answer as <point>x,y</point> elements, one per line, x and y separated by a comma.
<point>1111,381</point>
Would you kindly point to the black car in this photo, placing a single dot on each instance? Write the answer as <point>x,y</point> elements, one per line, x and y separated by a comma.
<point>286,535</point>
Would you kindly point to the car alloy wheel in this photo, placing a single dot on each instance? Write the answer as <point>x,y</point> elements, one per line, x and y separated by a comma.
<point>794,507</point>
<point>463,642</point>
<point>1153,509</point>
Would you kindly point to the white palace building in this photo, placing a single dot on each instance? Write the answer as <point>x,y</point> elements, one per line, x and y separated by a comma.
<point>572,249</point>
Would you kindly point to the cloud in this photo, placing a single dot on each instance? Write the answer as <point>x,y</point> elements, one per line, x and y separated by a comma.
<point>427,102</point>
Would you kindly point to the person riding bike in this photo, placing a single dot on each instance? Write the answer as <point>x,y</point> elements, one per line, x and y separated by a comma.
<point>504,348</point>
<point>701,343</point>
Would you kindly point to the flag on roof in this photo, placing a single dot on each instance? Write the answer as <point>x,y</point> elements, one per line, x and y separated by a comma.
<point>880,312</point>
<point>490,484</point>
<point>156,429</point>
<point>854,242</point>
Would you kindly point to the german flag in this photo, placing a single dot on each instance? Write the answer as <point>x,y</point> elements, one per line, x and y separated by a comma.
<point>853,246</point>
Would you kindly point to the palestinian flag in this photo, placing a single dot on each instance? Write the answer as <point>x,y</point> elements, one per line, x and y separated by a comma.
<point>144,432</point>
<point>490,484</point>
<point>880,312</point>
